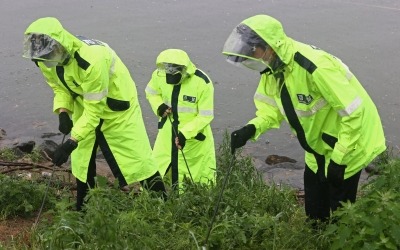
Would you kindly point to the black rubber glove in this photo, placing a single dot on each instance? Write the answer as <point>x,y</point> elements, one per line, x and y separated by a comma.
<point>63,151</point>
<point>182,140</point>
<point>241,136</point>
<point>161,109</point>
<point>336,173</point>
<point>65,124</point>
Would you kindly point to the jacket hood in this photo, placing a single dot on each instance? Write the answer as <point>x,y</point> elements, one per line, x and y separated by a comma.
<point>271,31</point>
<point>176,56</point>
<point>52,27</point>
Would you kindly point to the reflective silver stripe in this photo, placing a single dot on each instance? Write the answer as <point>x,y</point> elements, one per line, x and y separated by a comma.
<point>95,96</point>
<point>264,99</point>
<point>319,105</point>
<point>112,66</point>
<point>351,108</point>
<point>168,103</point>
<point>186,110</point>
<point>349,75</point>
<point>301,113</point>
<point>151,91</point>
<point>206,112</point>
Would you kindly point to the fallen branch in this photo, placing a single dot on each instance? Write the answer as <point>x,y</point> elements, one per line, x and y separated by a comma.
<point>27,166</point>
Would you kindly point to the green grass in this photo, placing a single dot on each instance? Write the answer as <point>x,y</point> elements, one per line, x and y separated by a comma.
<point>251,215</point>
<point>19,197</point>
<point>7,154</point>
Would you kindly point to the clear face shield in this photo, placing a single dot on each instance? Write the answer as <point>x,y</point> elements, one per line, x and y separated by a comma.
<point>245,48</point>
<point>40,47</point>
<point>174,73</point>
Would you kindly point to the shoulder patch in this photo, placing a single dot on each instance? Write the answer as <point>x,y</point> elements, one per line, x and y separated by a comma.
<point>304,62</point>
<point>89,41</point>
<point>203,76</point>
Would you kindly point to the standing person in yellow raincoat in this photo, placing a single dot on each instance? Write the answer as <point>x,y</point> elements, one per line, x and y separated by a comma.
<point>333,117</point>
<point>182,96</point>
<point>92,85</point>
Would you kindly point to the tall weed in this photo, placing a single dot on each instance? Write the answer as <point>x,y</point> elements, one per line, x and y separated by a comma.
<point>20,197</point>
<point>373,221</point>
<point>252,215</point>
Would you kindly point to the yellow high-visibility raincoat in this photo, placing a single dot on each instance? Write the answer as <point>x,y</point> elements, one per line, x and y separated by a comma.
<point>192,103</point>
<point>328,109</point>
<point>96,87</point>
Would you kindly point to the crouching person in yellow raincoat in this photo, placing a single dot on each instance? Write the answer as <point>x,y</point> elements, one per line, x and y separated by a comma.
<point>183,98</point>
<point>92,84</point>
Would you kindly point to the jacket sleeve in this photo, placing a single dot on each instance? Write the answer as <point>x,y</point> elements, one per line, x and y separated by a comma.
<point>205,107</point>
<point>62,98</point>
<point>268,115</point>
<point>153,93</point>
<point>95,89</point>
<point>334,81</point>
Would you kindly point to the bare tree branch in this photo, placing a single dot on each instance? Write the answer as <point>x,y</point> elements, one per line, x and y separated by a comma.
<point>26,166</point>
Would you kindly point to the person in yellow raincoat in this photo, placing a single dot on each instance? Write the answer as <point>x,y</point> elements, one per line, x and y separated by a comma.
<point>333,117</point>
<point>182,96</point>
<point>92,85</point>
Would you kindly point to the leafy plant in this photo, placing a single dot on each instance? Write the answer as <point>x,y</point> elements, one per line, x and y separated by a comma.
<point>252,215</point>
<point>21,197</point>
<point>7,154</point>
<point>35,155</point>
<point>371,222</point>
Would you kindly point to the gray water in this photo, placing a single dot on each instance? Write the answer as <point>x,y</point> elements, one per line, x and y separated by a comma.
<point>365,34</point>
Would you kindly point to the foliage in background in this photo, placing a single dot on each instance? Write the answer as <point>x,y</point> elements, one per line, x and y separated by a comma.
<point>35,155</point>
<point>7,154</point>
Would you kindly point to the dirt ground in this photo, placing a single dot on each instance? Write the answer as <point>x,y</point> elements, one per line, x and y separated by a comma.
<point>15,228</point>
<point>20,227</point>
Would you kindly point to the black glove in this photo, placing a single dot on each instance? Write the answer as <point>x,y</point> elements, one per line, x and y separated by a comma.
<point>241,136</point>
<point>63,151</point>
<point>65,124</point>
<point>182,140</point>
<point>161,109</point>
<point>336,173</point>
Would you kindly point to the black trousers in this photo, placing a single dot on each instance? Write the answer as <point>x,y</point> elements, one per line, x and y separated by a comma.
<point>153,183</point>
<point>321,197</point>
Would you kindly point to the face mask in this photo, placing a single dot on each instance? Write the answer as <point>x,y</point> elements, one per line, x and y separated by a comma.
<point>173,79</point>
<point>257,65</point>
<point>50,64</point>
<point>56,59</point>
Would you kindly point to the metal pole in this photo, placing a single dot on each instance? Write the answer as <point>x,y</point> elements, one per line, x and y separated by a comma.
<point>231,164</point>
<point>184,158</point>
<point>47,189</point>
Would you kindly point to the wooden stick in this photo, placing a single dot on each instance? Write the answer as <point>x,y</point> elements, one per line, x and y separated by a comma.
<point>26,166</point>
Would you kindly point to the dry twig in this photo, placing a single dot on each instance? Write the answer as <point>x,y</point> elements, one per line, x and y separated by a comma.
<point>26,166</point>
